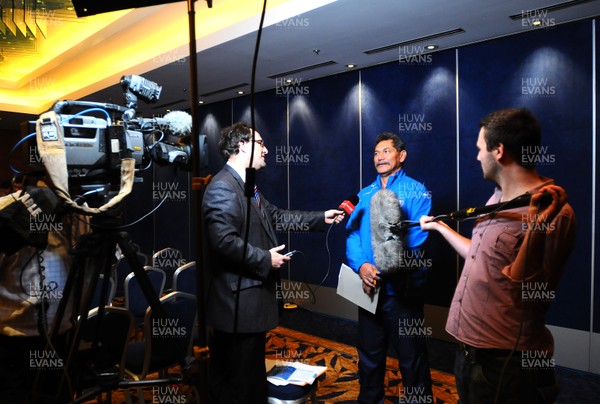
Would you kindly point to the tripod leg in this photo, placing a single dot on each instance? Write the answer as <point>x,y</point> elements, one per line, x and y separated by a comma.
<point>91,254</point>
<point>138,269</point>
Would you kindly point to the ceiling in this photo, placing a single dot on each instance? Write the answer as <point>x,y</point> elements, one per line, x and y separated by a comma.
<point>302,40</point>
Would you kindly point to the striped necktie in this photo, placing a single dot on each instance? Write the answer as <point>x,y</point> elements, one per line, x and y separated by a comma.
<point>257,199</point>
<point>256,195</point>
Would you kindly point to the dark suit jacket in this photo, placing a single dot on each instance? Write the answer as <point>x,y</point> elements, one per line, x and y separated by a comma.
<point>224,216</point>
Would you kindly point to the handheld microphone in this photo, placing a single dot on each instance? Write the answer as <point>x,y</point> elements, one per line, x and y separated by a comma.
<point>349,204</point>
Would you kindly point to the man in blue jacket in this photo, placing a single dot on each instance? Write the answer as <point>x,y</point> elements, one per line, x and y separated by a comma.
<point>398,320</point>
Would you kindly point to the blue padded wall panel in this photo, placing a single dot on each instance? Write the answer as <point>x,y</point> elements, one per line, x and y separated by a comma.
<point>269,116</point>
<point>213,118</point>
<point>549,72</point>
<point>172,224</point>
<point>546,70</point>
<point>323,163</point>
<point>417,102</point>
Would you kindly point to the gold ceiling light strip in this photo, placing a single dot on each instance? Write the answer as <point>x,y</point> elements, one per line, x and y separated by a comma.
<point>83,55</point>
<point>24,22</point>
<point>7,18</point>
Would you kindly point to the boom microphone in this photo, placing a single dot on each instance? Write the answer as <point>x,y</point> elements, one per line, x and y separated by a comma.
<point>387,245</point>
<point>349,204</point>
<point>518,202</point>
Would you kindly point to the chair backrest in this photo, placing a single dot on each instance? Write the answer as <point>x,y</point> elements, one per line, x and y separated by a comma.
<point>112,335</point>
<point>110,292</point>
<point>184,278</point>
<point>169,339</point>
<point>135,300</point>
<point>122,267</point>
<point>168,259</point>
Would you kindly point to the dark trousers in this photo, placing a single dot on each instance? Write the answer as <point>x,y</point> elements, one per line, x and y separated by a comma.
<point>31,371</point>
<point>398,323</point>
<point>499,376</point>
<point>237,368</point>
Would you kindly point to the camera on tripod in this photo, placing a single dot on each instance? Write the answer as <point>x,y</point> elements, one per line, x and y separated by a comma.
<point>96,137</point>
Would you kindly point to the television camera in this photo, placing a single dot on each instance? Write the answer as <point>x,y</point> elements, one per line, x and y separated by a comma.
<point>97,138</point>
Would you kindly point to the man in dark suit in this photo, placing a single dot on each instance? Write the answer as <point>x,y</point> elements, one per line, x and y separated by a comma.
<point>242,261</point>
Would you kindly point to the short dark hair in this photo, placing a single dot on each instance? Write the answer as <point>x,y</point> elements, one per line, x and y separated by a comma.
<point>517,129</point>
<point>396,140</point>
<point>229,143</point>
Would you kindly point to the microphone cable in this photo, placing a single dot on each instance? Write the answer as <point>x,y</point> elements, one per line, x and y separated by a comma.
<point>305,281</point>
<point>250,178</point>
<point>328,260</point>
<point>311,291</point>
<point>42,322</point>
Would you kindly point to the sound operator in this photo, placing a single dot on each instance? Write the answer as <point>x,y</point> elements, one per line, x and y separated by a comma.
<point>400,303</point>
<point>513,264</point>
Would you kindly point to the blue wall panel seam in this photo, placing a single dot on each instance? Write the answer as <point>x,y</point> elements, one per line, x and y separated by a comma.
<point>289,180</point>
<point>360,133</point>
<point>457,153</point>
<point>593,235</point>
<point>287,167</point>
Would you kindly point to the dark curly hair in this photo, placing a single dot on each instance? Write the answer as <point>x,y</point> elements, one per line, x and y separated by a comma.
<point>229,143</point>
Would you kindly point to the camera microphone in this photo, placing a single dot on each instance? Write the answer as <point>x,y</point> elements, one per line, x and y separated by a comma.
<point>349,204</point>
<point>177,123</point>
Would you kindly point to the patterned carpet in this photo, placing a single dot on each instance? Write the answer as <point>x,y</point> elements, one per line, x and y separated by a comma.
<point>340,384</point>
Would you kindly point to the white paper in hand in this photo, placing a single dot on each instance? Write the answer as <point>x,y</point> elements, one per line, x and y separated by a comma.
<point>350,288</point>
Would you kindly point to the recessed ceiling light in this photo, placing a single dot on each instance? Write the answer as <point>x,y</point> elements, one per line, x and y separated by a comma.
<point>536,22</point>
<point>240,92</point>
<point>200,102</point>
<point>431,47</point>
<point>350,65</point>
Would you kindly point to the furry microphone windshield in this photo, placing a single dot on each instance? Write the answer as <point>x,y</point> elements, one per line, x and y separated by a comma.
<point>387,246</point>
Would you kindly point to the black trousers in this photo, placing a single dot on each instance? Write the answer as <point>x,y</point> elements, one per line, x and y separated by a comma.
<point>237,368</point>
<point>501,376</point>
<point>398,323</point>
